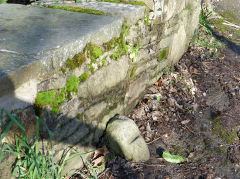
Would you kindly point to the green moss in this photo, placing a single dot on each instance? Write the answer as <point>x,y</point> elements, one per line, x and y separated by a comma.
<point>3,1</point>
<point>229,16</point>
<point>84,77</point>
<point>125,31</point>
<point>76,61</point>
<point>188,7</point>
<point>146,21</point>
<point>104,61</point>
<point>217,21</point>
<point>93,51</point>
<point>219,130</point>
<point>124,2</point>
<point>45,98</point>
<point>166,70</point>
<point>110,45</point>
<point>162,54</point>
<point>79,9</point>
<point>52,98</point>
<point>116,55</point>
<point>70,64</point>
<point>91,68</point>
<point>72,84</point>
<point>133,72</point>
<point>79,116</point>
<point>79,59</point>
<point>63,70</point>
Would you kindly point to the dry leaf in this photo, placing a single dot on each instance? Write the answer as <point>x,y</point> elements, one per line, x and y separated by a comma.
<point>185,122</point>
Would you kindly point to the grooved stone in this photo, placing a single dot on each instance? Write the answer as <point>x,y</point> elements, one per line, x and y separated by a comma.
<point>123,137</point>
<point>35,42</point>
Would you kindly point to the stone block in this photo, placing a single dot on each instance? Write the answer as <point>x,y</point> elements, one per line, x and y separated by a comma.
<point>123,137</point>
<point>105,78</point>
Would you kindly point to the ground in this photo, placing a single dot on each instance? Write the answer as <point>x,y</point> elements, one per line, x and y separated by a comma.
<point>193,111</point>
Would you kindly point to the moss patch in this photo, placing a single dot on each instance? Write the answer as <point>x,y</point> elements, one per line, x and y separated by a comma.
<point>93,51</point>
<point>52,98</point>
<point>110,45</point>
<point>146,21</point>
<point>120,43</point>
<point>72,84</point>
<point>188,7</point>
<point>104,61</point>
<point>84,77</point>
<point>162,54</point>
<point>76,61</point>
<point>78,9</point>
<point>133,72</point>
<point>125,2</point>
<point>219,130</point>
<point>229,16</point>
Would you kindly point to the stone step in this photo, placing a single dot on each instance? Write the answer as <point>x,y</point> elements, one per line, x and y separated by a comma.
<point>130,13</point>
<point>35,42</point>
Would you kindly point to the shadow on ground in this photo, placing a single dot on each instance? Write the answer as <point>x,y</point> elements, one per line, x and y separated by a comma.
<point>66,132</point>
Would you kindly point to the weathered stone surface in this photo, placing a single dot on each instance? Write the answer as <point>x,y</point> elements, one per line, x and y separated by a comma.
<point>94,111</point>
<point>136,88</point>
<point>130,13</point>
<point>22,97</point>
<point>6,165</point>
<point>72,108</point>
<point>124,138</point>
<point>37,41</point>
<point>178,45</point>
<point>105,78</point>
<point>53,83</point>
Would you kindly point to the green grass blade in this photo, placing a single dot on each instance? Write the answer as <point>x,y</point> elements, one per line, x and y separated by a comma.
<point>6,131</point>
<point>18,123</point>
<point>37,136</point>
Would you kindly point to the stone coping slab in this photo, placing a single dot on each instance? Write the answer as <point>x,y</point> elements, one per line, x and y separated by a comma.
<point>35,42</point>
<point>130,13</point>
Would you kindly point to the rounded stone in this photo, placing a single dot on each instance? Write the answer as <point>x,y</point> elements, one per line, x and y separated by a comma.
<point>123,138</point>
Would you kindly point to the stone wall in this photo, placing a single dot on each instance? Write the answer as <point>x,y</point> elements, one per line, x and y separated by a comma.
<point>108,78</point>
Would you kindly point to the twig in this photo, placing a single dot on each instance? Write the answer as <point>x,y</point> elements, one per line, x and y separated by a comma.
<point>189,129</point>
<point>153,140</point>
